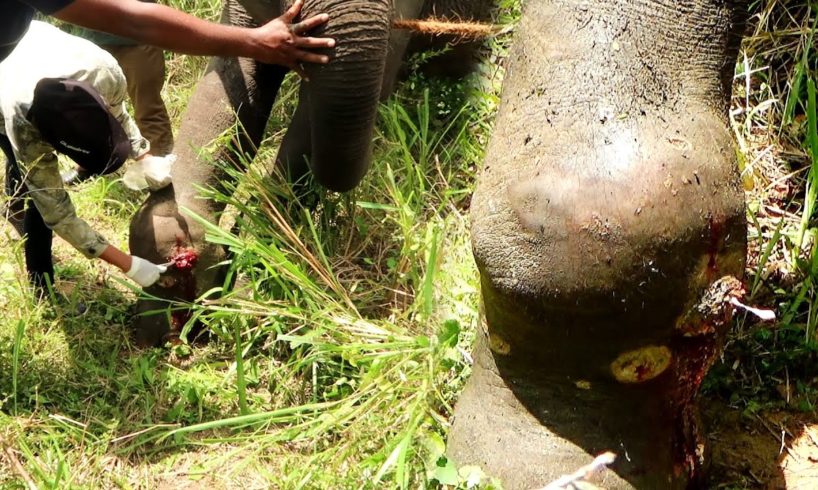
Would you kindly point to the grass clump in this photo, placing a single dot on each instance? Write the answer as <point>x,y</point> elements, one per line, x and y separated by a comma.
<point>774,119</point>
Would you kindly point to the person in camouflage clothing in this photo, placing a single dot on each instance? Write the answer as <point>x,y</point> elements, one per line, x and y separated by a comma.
<point>32,170</point>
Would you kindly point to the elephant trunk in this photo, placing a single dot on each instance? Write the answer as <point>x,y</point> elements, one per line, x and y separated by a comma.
<point>342,96</point>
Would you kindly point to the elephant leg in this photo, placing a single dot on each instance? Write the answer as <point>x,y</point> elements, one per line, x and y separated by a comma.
<point>608,226</point>
<point>462,56</point>
<point>398,43</point>
<point>230,104</point>
<point>294,154</point>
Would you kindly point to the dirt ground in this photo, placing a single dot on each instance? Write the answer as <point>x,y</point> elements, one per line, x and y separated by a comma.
<point>772,450</point>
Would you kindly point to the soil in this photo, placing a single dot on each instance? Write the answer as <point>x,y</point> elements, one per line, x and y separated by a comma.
<point>768,450</point>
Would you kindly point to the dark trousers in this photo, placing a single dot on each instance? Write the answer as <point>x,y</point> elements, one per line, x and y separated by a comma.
<point>38,235</point>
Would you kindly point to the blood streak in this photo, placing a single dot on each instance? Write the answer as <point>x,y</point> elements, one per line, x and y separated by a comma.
<point>716,226</point>
<point>183,262</point>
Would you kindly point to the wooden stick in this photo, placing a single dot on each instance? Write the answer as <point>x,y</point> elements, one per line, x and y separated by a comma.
<point>439,27</point>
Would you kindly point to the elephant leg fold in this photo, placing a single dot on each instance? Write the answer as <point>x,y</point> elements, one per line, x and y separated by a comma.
<point>608,226</point>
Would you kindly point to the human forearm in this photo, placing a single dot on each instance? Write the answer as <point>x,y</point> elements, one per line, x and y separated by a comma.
<point>45,188</point>
<point>168,28</point>
<point>158,25</point>
<point>116,257</point>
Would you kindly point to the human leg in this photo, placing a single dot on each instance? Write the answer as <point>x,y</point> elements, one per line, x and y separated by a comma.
<point>14,187</point>
<point>38,248</point>
<point>144,68</point>
<point>28,222</point>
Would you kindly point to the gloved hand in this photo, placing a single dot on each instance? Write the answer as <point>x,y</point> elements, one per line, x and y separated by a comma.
<point>150,171</point>
<point>144,272</point>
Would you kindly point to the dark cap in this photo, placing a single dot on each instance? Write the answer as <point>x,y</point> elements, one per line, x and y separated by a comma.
<point>74,119</point>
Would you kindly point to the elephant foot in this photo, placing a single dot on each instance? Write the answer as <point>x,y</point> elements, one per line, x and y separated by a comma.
<point>494,430</point>
<point>155,326</point>
<point>530,419</point>
<point>528,432</point>
<point>150,324</point>
<point>159,322</point>
<point>161,232</point>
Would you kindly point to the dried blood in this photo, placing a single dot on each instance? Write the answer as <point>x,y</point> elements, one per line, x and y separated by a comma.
<point>642,372</point>
<point>184,261</point>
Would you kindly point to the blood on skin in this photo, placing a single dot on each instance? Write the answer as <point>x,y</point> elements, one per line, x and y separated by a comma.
<point>696,348</point>
<point>716,226</point>
<point>183,262</point>
<point>694,356</point>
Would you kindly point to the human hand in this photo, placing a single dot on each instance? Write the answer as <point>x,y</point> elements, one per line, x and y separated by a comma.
<point>157,171</point>
<point>149,171</point>
<point>144,272</point>
<point>279,41</point>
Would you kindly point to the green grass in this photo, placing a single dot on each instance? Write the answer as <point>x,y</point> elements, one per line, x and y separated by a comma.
<point>339,353</point>
<point>773,366</point>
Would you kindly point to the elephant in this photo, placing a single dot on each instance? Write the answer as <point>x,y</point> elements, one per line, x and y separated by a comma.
<point>608,227</point>
<point>328,138</point>
<point>608,221</point>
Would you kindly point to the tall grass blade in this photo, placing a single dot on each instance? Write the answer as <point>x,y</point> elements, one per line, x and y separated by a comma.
<point>241,384</point>
<point>812,177</point>
<point>15,363</point>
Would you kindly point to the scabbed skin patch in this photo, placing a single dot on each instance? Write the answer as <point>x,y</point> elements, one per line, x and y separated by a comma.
<point>640,365</point>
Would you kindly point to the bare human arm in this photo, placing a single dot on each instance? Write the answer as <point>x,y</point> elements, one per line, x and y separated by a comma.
<point>116,257</point>
<point>277,42</point>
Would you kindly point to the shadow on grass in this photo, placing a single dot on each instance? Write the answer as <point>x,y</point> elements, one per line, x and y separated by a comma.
<point>771,449</point>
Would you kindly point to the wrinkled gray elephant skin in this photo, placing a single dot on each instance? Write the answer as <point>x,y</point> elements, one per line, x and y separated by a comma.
<point>608,225</point>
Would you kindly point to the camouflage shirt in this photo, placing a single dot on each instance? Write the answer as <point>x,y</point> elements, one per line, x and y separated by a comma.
<point>45,51</point>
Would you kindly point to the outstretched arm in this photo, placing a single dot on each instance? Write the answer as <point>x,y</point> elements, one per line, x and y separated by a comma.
<point>277,42</point>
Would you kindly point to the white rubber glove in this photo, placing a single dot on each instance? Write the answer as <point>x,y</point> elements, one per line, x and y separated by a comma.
<point>143,272</point>
<point>150,172</point>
